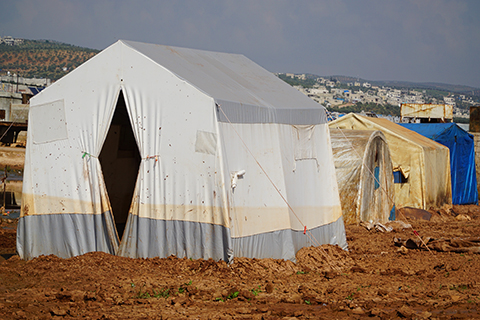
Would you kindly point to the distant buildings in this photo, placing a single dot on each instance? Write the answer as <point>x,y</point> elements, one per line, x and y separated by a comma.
<point>449,100</point>
<point>332,93</point>
<point>9,41</point>
<point>15,93</point>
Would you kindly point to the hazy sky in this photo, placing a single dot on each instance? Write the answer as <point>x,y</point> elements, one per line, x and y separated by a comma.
<point>411,40</point>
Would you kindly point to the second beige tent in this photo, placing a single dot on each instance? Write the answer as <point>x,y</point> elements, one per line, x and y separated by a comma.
<point>364,175</point>
<point>421,165</point>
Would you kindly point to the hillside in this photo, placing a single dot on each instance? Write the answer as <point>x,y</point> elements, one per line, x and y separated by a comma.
<point>450,88</point>
<point>42,59</point>
<point>52,59</point>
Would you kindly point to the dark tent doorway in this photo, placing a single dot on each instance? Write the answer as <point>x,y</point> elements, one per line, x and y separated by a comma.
<point>120,160</point>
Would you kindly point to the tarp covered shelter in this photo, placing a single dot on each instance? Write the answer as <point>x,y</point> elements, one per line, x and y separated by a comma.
<point>462,157</point>
<point>364,175</point>
<point>422,165</point>
<point>192,153</point>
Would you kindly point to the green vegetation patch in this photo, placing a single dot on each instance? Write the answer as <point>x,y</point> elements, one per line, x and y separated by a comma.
<point>43,59</point>
<point>387,109</point>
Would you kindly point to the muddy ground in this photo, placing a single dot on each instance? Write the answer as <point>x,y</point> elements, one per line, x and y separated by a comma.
<point>374,279</point>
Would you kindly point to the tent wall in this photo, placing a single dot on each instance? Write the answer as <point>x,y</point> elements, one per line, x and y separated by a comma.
<point>462,157</point>
<point>178,176</point>
<point>423,162</point>
<point>65,208</point>
<point>299,163</point>
<point>364,174</point>
<point>179,206</point>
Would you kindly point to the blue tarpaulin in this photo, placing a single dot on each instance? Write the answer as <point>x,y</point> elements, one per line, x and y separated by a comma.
<point>462,157</point>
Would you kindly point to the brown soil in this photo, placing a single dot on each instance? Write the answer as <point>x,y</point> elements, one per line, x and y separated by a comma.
<point>374,279</point>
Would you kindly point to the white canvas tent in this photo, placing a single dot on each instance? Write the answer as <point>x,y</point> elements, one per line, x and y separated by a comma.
<point>193,153</point>
<point>364,175</point>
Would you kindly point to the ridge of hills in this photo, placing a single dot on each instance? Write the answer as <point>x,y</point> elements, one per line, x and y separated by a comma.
<point>453,88</point>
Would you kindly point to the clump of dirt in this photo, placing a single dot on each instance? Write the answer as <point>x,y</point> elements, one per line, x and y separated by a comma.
<point>263,268</point>
<point>326,258</point>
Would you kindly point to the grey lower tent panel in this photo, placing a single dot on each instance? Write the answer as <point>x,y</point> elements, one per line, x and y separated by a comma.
<point>147,238</point>
<point>284,244</point>
<point>65,235</point>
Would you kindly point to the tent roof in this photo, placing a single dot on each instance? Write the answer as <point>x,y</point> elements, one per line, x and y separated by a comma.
<point>390,127</point>
<point>434,130</point>
<point>235,81</point>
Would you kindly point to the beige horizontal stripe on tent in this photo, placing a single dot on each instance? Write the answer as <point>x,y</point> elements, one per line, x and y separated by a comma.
<point>251,221</point>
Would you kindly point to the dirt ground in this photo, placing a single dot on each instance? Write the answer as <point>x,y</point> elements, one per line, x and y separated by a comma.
<point>374,279</point>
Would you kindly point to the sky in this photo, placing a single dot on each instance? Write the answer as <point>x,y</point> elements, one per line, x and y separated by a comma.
<point>401,40</point>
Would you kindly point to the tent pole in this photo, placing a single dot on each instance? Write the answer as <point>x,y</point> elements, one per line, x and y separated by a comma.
<point>4,187</point>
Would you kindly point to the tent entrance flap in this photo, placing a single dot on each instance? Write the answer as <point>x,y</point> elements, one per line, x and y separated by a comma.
<point>120,160</point>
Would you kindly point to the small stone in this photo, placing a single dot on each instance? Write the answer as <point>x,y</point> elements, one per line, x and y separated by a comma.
<point>294,298</point>
<point>405,312</point>
<point>298,313</point>
<point>358,269</point>
<point>217,294</point>
<point>58,312</point>
<point>455,297</point>
<point>262,309</point>
<point>375,312</point>
<point>247,294</point>
<point>90,296</point>
<point>382,292</point>
<point>425,315</point>
<point>269,288</point>
<point>463,217</point>
<point>72,313</point>
<point>402,250</point>
<point>244,311</point>
<point>331,274</point>
<point>77,295</point>
<point>358,310</point>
